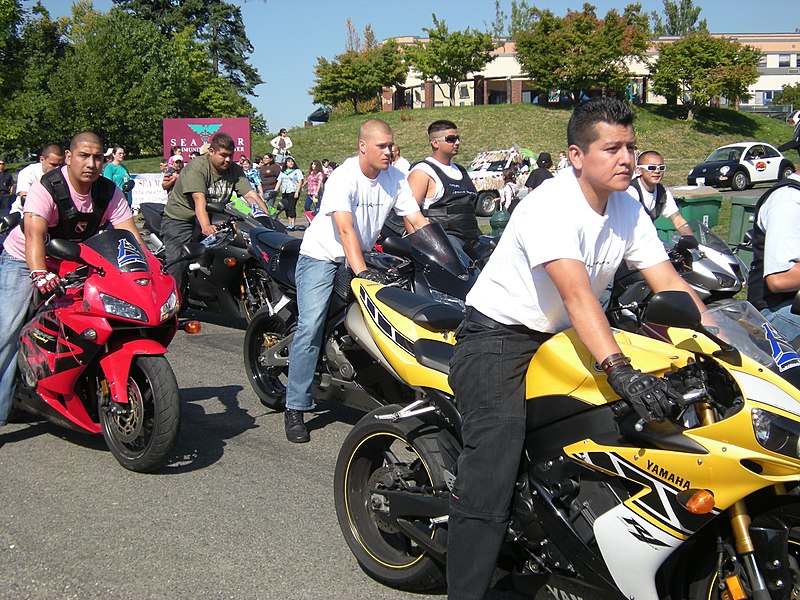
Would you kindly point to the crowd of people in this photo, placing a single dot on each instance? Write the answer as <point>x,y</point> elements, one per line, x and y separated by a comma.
<point>599,207</point>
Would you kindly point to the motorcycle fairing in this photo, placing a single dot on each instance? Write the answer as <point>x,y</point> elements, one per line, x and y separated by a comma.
<point>562,366</point>
<point>116,364</point>
<point>395,335</point>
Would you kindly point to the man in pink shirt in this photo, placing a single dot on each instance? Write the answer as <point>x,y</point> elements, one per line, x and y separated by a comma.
<point>73,203</point>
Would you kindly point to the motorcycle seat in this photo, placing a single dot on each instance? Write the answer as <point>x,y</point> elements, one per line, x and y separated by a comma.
<point>434,355</point>
<point>427,313</point>
<point>274,240</point>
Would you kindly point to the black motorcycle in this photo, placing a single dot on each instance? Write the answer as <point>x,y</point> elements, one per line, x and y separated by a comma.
<point>227,279</point>
<point>423,262</point>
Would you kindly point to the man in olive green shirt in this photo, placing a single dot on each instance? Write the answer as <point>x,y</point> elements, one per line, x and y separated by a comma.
<point>212,177</point>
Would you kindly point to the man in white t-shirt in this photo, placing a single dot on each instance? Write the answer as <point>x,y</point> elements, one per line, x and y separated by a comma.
<point>358,197</point>
<point>52,157</point>
<point>654,197</point>
<point>557,254</point>
<point>774,277</point>
<point>444,190</point>
<point>97,201</point>
<point>399,162</point>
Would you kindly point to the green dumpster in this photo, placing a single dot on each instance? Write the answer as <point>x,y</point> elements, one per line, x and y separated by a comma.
<point>696,203</point>
<point>743,211</point>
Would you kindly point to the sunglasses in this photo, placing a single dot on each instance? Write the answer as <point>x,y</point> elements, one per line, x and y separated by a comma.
<point>450,139</point>
<point>653,168</point>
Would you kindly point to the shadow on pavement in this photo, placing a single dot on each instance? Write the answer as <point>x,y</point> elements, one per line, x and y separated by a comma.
<point>203,435</point>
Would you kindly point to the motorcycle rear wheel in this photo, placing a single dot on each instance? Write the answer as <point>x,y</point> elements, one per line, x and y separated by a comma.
<point>390,455</point>
<point>142,433</point>
<point>705,584</point>
<point>263,332</point>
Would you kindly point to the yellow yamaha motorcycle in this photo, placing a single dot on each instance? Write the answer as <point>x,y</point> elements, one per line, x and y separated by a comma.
<point>703,505</point>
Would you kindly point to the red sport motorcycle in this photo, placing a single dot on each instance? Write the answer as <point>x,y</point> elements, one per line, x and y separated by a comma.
<point>92,357</point>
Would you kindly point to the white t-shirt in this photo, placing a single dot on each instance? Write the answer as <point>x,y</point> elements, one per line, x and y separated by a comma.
<point>558,222</point>
<point>402,164</point>
<point>25,179</point>
<point>369,200</point>
<point>452,171</point>
<point>649,200</point>
<point>779,217</point>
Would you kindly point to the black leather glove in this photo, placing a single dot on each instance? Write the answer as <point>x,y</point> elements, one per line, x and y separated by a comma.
<point>650,396</point>
<point>374,275</point>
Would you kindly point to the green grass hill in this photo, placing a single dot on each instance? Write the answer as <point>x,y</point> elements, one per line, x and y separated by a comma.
<point>683,143</point>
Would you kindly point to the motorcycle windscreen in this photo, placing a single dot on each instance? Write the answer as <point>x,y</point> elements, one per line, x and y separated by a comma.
<point>744,327</point>
<point>119,248</point>
<point>704,236</point>
<point>431,246</point>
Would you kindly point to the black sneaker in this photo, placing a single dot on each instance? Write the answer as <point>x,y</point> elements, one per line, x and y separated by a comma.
<point>296,431</point>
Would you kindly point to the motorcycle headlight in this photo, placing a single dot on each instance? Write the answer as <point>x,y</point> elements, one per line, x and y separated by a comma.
<point>120,308</point>
<point>724,170</point>
<point>170,306</point>
<point>776,433</point>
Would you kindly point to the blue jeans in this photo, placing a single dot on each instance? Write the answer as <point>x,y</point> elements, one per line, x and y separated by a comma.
<point>16,290</point>
<point>309,204</point>
<point>314,287</point>
<point>782,319</point>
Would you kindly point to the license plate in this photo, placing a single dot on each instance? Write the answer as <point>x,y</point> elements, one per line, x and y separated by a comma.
<point>701,181</point>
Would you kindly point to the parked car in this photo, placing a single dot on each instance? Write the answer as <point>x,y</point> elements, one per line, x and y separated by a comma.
<point>486,172</point>
<point>741,165</point>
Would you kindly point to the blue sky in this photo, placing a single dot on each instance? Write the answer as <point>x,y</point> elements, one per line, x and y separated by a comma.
<point>288,36</point>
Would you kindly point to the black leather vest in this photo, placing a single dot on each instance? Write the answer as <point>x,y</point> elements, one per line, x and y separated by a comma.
<point>72,224</point>
<point>758,294</point>
<point>660,195</point>
<point>455,210</point>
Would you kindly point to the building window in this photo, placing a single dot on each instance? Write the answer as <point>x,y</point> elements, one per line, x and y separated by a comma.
<point>784,60</point>
<point>762,61</point>
<point>766,96</point>
<point>463,92</point>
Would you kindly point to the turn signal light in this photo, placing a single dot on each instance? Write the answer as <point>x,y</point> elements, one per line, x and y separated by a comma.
<point>230,261</point>
<point>697,502</point>
<point>192,327</point>
<point>734,589</point>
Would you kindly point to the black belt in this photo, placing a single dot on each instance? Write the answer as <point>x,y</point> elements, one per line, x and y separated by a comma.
<point>481,319</point>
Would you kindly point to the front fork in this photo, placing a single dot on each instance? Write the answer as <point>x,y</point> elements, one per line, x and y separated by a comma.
<point>740,525</point>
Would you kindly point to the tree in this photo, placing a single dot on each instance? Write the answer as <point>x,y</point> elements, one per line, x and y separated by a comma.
<point>522,17</point>
<point>22,122</point>
<point>359,73</point>
<point>680,19</point>
<point>450,57</point>
<point>581,52</point>
<point>790,94</point>
<point>216,22</point>
<point>700,67</point>
<point>10,20</point>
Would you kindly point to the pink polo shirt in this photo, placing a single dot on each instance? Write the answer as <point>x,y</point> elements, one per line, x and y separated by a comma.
<point>39,202</point>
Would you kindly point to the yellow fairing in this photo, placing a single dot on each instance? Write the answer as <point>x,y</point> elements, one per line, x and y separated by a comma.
<point>563,366</point>
<point>395,336</point>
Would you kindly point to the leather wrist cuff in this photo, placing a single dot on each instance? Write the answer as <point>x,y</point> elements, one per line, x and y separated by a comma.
<point>614,361</point>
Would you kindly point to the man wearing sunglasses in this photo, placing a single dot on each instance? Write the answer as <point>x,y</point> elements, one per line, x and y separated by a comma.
<point>444,190</point>
<point>651,193</point>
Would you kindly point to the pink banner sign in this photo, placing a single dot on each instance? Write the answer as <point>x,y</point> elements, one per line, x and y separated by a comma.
<point>190,134</point>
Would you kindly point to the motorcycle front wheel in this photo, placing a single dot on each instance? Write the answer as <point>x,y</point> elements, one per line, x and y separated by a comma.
<point>263,332</point>
<point>142,433</point>
<point>381,456</point>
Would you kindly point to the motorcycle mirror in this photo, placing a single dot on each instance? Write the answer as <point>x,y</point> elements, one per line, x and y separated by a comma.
<point>128,185</point>
<point>215,207</point>
<point>63,250</point>
<point>192,251</point>
<point>397,246</point>
<point>673,308</point>
<point>8,222</point>
<point>687,242</point>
